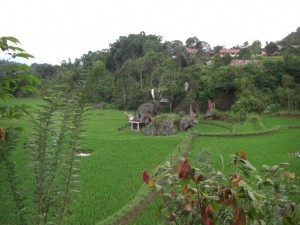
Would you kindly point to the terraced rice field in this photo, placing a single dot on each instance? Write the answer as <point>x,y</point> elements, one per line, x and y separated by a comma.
<point>262,149</point>
<point>110,177</point>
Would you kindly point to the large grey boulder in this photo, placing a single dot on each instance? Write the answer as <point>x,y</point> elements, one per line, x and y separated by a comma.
<point>167,127</point>
<point>147,111</point>
<point>187,122</point>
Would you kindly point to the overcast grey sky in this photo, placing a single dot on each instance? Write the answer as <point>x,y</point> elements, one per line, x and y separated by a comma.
<point>56,30</point>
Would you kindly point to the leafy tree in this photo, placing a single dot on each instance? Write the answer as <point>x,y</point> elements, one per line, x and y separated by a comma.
<point>292,67</point>
<point>130,47</point>
<point>99,83</point>
<point>288,50</point>
<point>218,48</point>
<point>126,85</point>
<point>288,94</point>
<point>152,63</point>
<point>88,59</point>
<point>153,45</point>
<point>292,39</point>
<point>245,53</point>
<point>13,78</point>
<point>205,88</point>
<point>13,74</point>
<point>271,48</point>
<point>245,45</point>
<point>274,68</point>
<point>192,42</point>
<point>220,61</point>
<point>191,75</point>
<point>255,48</point>
<point>44,71</point>
<point>169,80</point>
<point>177,50</point>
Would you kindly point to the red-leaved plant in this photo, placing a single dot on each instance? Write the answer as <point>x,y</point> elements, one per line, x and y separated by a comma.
<point>205,196</point>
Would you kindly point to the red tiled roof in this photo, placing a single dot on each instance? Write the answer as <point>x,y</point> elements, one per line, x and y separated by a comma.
<point>229,51</point>
<point>191,50</point>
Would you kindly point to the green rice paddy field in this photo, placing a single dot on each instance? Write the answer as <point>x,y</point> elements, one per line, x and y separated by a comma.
<point>110,177</point>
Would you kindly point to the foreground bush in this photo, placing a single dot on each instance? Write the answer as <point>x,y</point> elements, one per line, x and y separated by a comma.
<point>205,196</point>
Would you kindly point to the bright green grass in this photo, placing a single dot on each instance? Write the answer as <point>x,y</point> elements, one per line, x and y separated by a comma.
<point>151,214</point>
<point>31,102</point>
<point>268,149</point>
<point>111,176</point>
<point>245,127</point>
<point>209,128</point>
<point>272,121</point>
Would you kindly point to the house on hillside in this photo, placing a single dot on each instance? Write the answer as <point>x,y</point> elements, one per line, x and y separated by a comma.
<point>232,52</point>
<point>279,49</point>
<point>191,50</point>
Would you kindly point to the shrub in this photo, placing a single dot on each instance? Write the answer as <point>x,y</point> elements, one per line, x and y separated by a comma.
<point>205,196</point>
<point>187,122</point>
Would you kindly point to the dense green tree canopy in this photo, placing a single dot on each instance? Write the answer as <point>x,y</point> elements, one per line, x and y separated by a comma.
<point>125,73</point>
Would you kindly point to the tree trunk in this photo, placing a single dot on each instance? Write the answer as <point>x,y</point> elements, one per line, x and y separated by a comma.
<point>124,98</point>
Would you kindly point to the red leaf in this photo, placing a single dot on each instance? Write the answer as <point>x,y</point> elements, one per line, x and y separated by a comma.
<point>224,195</point>
<point>209,210</point>
<point>171,218</point>
<point>207,221</point>
<point>235,179</point>
<point>186,187</point>
<point>199,178</point>
<point>232,201</point>
<point>205,212</point>
<point>173,194</point>
<point>189,207</point>
<point>2,134</point>
<point>184,168</point>
<point>243,155</point>
<point>146,177</point>
<point>239,217</point>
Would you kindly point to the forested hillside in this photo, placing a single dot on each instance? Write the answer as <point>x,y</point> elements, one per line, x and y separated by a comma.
<point>124,74</point>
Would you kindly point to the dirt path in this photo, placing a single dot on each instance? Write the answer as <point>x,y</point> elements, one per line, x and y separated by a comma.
<point>151,196</point>
<point>139,208</point>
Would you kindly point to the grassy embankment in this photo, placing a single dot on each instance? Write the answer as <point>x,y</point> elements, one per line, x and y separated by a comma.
<point>267,141</point>
<point>110,177</point>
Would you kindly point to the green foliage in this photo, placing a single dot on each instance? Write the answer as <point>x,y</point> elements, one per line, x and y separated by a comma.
<point>245,53</point>
<point>255,48</point>
<point>14,78</point>
<point>99,84</point>
<point>52,149</point>
<point>14,195</point>
<point>292,39</point>
<point>271,48</point>
<point>137,63</point>
<point>52,164</point>
<point>205,195</point>
<point>292,67</point>
<point>131,47</point>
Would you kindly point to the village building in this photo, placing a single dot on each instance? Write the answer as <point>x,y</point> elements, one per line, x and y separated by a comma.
<point>191,50</point>
<point>232,52</point>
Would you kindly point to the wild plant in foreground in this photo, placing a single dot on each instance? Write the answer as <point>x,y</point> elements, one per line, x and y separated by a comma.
<point>205,196</point>
<point>52,163</point>
<point>56,136</point>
